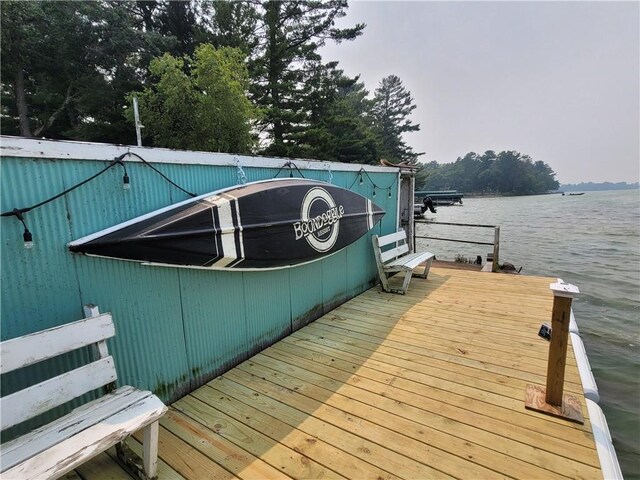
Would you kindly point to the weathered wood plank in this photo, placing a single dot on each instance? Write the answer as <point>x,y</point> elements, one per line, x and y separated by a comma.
<point>81,418</point>
<point>36,347</point>
<point>74,451</point>
<point>40,398</point>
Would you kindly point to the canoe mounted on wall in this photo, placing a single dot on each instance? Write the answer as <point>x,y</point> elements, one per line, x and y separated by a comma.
<point>268,224</point>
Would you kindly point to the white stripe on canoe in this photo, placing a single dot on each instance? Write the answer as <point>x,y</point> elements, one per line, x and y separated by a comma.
<point>369,214</point>
<point>226,231</point>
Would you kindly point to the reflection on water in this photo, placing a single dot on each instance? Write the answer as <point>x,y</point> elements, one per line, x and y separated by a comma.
<point>592,241</point>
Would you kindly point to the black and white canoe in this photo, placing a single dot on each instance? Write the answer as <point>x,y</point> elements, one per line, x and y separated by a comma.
<point>268,224</point>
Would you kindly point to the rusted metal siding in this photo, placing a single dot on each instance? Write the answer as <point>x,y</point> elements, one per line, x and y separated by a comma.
<point>176,328</point>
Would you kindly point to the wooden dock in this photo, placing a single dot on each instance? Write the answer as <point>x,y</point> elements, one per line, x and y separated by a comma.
<point>426,385</point>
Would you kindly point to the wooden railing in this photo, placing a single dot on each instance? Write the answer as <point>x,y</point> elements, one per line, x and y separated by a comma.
<point>495,243</point>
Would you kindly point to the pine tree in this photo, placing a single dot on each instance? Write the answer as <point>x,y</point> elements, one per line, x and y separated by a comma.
<point>392,107</point>
<point>293,32</point>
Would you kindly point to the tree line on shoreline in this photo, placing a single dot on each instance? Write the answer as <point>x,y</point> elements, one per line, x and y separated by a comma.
<point>504,173</point>
<point>238,77</point>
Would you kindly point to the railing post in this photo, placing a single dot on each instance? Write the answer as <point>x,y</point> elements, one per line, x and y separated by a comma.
<point>496,249</point>
<point>552,400</point>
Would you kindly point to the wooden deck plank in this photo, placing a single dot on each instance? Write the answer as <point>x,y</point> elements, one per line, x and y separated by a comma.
<point>344,452</point>
<point>424,385</point>
<point>465,425</point>
<point>435,463</point>
<point>393,415</point>
<point>284,455</point>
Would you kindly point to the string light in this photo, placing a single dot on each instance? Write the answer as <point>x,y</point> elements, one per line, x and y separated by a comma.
<point>374,191</point>
<point>27,236</point>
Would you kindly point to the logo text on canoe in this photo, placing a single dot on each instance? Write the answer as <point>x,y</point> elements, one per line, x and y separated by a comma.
<point>320,220</point>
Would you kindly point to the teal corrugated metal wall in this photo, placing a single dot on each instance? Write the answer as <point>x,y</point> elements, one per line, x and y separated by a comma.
<point>176,328</point>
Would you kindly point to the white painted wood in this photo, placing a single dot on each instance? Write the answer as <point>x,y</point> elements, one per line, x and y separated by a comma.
<point>561,289</point>
<point>394,253</point>
<point>39,398</point>
<point>398,259</point>
<point>392,238</point>
<point>410,261</point>
<point>150,445</point>
<point>39,148</point>
<point>68,454</point>
<point>36,347</point>
<point>83,417</point>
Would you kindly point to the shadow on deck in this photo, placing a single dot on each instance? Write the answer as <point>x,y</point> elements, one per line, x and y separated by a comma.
<point>430,384</point>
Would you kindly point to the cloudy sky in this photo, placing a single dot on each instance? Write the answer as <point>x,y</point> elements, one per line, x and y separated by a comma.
<point>559,81</point>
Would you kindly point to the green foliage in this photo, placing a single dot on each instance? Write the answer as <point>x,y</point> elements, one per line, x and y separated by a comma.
<point>506,173</point>
<point>392,107</point>
<point>199,103</point>
<point>69,70</point>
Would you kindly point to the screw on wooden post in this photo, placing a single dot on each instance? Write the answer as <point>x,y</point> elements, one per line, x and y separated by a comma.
<point>551,399</point>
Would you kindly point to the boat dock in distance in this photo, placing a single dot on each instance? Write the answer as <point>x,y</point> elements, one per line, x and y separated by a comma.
<point>430,384</point>
<point>441,198</point>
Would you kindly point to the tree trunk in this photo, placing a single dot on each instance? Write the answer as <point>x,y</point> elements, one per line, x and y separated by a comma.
<point>273,76</point>
<point>21,102</point>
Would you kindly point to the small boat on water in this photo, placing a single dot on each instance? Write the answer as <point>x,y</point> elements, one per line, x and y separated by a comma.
<point>576,194</point>
<point>268,224</point>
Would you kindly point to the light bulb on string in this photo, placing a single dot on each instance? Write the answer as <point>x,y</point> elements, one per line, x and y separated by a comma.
<point>27,237</point>
<point>126,184</point>
<point>374,191</point>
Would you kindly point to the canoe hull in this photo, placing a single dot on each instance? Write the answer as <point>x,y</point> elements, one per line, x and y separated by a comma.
<point>262,225</point>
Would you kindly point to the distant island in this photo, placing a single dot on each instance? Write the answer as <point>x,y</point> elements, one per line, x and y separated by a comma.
<point>592,187</point>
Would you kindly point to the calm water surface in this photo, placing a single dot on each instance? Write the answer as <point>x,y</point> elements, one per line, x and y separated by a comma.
<point>592,241</point>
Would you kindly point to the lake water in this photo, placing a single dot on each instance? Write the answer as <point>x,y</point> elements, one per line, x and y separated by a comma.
<point>592,241</point>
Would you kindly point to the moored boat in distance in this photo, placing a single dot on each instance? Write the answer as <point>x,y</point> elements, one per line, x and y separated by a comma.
<point>268,224</point>
<point>442,198</point>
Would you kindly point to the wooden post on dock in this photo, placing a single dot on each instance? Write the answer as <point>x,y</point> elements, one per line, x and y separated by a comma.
<point>551,399</point>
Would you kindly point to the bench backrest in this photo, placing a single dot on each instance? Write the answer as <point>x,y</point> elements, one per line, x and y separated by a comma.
<point>36,347</point>
<point>398,239</point>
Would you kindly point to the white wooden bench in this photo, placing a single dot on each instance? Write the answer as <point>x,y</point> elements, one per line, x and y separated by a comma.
<point>62,445</point>
<point>392,256</point>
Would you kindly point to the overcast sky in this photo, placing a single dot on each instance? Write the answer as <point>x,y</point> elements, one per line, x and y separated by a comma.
<point>559,81</point>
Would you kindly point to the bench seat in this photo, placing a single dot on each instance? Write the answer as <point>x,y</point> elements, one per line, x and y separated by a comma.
<point>63,445</point>
<point>408,262</point>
